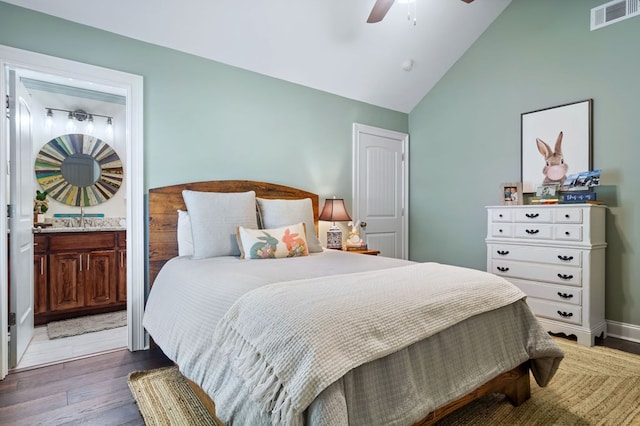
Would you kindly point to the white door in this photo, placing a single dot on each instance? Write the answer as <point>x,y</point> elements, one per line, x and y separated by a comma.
<point>380,189</point>
<point>21,222</point>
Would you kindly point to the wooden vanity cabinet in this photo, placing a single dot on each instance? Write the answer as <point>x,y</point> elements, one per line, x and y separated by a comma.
<point>40,274</point>
<point>83,274</point>
<point>121,259</point>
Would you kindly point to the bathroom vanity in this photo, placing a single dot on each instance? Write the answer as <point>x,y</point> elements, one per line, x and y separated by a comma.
<point>78,272</point>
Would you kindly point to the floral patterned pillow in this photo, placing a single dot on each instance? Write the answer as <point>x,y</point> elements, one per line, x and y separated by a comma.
<point>286,241</point>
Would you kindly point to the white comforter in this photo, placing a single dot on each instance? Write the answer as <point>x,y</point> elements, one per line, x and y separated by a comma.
<point>189,297</point>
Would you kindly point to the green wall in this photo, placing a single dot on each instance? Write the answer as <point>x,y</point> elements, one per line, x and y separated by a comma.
<point>205,120</point>
<point>465,134</point>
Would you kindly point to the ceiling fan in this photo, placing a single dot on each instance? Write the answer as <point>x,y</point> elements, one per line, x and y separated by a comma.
<point>381,7</point>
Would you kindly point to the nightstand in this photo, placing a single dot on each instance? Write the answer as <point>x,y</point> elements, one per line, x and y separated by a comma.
<point>371,252</point>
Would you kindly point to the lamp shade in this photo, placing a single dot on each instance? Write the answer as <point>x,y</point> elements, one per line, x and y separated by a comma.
<point>334,210</point>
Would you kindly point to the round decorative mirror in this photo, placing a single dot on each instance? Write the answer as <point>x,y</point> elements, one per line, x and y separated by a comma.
<point>79,170</point>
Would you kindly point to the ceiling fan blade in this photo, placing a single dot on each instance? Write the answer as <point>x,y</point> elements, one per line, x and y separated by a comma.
<point>379,10</point>
<point>468,1</point>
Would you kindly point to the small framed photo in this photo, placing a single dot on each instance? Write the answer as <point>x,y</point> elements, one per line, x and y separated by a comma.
<point>549,190</point>
<point>511,193</point>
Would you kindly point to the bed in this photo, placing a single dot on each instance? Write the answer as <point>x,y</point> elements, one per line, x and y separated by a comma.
<point>219,318</point>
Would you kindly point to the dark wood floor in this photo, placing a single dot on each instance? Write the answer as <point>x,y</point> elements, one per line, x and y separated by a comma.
<point>90,391</point>
<point>94,391</point>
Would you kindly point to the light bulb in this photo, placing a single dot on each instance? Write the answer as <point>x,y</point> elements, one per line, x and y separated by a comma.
<point>109,126</point>
<point>71,126</point>
<point>48,121</point>
<point>90,127</point>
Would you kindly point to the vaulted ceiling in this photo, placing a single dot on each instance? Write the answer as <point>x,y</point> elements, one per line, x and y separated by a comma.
<point>323,44</point>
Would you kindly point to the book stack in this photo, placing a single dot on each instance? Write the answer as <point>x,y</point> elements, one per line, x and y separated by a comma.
<point>580,197</point>
<point>358,247</point>
<point>545,200</point>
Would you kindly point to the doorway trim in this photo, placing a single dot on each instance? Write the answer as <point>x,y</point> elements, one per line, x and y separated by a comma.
<point>132,85</point>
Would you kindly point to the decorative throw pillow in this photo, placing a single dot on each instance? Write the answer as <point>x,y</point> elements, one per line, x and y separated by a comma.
<point>185,239</point>
<point>287,241</point>
<point>275,213</point>
<point>214,218</point>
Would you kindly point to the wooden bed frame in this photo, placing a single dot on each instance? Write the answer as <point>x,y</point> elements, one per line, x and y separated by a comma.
<point>163,245</point>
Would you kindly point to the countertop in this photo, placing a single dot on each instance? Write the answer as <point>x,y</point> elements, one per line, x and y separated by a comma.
<point>52,230</point>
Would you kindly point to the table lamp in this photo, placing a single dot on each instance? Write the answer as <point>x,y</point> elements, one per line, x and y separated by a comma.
<point>334,210</point>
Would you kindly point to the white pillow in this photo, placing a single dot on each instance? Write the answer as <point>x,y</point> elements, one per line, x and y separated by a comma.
<point>214,218</point>
<point>185,239</point>
<point>278,213</point>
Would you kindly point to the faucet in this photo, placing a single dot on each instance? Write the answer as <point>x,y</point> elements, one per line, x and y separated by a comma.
<point>81,217</point>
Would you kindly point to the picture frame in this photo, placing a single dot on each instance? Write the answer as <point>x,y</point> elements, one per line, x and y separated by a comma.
<point>555,142</point>
<point>548,190</point>
<point>511,194</point>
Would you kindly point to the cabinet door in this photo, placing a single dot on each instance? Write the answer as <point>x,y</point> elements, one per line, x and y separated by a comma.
<point>122,275</point>
<point>100,277</point>
<point>66,288</point>
<point>40,283</point>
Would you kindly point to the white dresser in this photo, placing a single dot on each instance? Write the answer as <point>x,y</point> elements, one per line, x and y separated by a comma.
<point>556,255</point>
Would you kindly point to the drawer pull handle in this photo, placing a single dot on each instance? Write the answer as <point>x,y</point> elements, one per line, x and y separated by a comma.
<point>565,276</point>
<point>565,314</point>
<point>567,216</point>
<point>565,295</point>
<point>532,215</point>
<point>500,230</point>
<point>502,268</point>
<point>503,252</point>
<point>567,233</point>
<point>500,215</point>
<point>532,231</point>
<point>565,258</point>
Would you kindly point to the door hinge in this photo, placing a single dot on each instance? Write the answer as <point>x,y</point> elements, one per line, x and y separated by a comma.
<point>12,319</point>
<point>8,211</point>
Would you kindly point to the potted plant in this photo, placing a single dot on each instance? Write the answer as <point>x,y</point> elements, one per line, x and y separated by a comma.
<point>40,206</point>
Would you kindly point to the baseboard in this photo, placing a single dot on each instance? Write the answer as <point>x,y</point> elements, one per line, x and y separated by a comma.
<point>624,331</point>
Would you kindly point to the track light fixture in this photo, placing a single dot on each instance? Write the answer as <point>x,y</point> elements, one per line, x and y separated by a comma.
<point>79,115</point>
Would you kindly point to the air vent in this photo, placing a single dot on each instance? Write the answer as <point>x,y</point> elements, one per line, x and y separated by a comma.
<point>614,11</point>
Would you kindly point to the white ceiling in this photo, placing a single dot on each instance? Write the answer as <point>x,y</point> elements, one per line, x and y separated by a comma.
<point>323,44</point>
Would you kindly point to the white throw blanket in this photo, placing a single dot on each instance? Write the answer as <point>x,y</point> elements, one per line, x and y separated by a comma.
<point>291,340</point>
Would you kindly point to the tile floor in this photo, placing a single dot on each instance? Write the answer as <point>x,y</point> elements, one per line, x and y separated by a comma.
<point>42,351</point>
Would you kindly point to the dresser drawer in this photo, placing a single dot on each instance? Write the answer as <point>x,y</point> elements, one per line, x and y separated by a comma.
<point>556,311</point>
<point>504,230</point>
<point>567,215</point>
<point>501,215</point>
<point>565,275</point>
<point>534,215</point>
<point>567,232</point>
<point>553,256</point>
<point>553,293</point>
<point>534,231</point>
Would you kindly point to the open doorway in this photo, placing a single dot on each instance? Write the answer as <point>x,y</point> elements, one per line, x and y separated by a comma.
<point>113,262</point>
<point>74,169</point>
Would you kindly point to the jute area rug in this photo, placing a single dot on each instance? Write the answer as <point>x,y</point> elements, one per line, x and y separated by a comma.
<point>87,324</point>
<point>165,398</point>
<point>593,386</point>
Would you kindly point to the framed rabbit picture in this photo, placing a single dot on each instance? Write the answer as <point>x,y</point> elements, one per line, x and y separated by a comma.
<point>556,142</point>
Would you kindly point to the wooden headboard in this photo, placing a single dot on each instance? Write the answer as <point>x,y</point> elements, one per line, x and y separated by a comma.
<point>164,203</point>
